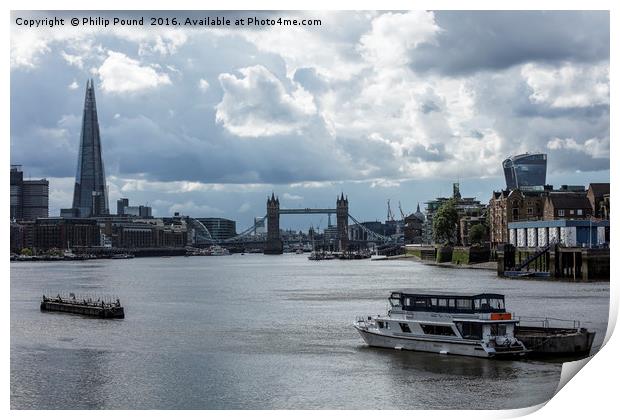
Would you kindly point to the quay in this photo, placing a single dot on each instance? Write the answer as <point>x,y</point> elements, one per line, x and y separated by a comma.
<point>88,306</point>
<point>554,262</point>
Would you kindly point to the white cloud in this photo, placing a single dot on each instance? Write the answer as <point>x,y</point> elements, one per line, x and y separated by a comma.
<point>176,187</point>
<point>74,85</point>
<point>191,208</point>
<point>384,183</point>
<point>73,60</point>
<point>568,86</point>
<point>26,47</point>
<point>292,197</point>
<point>258,104</point>
<point>331,53</point>
<point>203,85</point>
<point>595,147</point>
<point>394,35</point>
<point>120,73</point>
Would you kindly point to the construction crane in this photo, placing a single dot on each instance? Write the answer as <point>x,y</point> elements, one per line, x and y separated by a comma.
<point>402,213</point>
<point>390,215</point>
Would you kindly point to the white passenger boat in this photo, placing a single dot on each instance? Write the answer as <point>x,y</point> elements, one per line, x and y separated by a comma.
<point>446,323</point>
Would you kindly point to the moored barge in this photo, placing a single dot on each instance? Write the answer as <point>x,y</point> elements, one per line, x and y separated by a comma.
<point>552,338</point>
<point>98,308</point>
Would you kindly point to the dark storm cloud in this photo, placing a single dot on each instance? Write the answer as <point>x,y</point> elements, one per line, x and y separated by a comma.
<point>495,40</point>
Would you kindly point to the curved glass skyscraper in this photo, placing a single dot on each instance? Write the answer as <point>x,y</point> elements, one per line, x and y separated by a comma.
<point>526,171</point>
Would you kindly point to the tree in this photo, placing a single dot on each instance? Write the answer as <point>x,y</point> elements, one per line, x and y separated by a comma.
<point>26,251</point>
<point>477,234</point>
<point>445,222</point>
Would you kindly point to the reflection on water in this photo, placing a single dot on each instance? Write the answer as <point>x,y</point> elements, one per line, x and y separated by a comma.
<point>254,332</point>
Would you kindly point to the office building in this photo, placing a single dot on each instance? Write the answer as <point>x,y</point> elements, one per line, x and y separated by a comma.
<point>90,195</point>
<point>29,198</point>
<point>124,209</point>
<point>219,228</point>
<point>526,171</point>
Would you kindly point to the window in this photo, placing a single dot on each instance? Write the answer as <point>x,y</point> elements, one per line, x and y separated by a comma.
<point>420,303</point>
<point>498,329</point>
<point>561,212</point>
<point>470,330</point>
<point>463,303</point>
<point>404,327</point>
<point>571,212</point>
<point>530,211</point>
<point>496,303</point>
<point>437,329</point>
<point>380,324</point>
<point>579,212</point>
<point>442,302</point>
<point>433,301</point>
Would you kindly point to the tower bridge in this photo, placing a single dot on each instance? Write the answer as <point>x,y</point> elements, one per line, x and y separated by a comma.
<point>273,243</point>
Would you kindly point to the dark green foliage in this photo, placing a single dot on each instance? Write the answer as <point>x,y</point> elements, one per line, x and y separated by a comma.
<point>445,223</point>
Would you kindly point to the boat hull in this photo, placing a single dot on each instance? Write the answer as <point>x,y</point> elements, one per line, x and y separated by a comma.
<point>429,345</point>
<point>87,310</point>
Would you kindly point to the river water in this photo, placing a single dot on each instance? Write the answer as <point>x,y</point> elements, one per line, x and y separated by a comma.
<point>264,332</point>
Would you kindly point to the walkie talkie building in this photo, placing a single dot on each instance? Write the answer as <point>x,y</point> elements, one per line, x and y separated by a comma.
<point>526,171</point>
<point>90,195</point>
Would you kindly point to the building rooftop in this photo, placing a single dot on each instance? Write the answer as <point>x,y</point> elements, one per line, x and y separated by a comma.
<point>563,200</point>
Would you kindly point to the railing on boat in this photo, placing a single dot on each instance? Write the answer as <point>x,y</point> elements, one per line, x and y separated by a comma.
<point>548,322</point>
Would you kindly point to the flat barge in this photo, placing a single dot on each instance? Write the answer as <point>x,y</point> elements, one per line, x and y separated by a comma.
<point>545,341</point>
<point>98,308</point>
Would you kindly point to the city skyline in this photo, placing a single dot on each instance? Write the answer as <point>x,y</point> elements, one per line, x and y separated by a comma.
<point>216,137</point>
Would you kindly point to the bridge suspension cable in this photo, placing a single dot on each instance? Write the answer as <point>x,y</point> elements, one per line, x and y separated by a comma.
<point>257,223</point>
<point>370,232</point>
<point>201,233</point>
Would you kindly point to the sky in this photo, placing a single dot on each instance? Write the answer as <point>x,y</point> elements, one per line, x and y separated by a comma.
<point>209,121</point>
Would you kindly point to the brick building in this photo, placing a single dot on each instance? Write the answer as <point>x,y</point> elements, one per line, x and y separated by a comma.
<point>513,206</point>
<point>598,194</point>
<point>566,205</point>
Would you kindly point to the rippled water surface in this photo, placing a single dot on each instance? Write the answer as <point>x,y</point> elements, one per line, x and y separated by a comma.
<point>263,332</point>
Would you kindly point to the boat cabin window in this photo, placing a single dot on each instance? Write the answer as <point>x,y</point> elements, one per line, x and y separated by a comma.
<point>380,324</point>
<point>470,330</point>
<point>498,329</point>
<point>394,300</point>
<point>463,303</point>
<point>404,327</point>
<point>437,329</point>
<point>420,303</point>
<point>487,304</point>
<point>495,303</point>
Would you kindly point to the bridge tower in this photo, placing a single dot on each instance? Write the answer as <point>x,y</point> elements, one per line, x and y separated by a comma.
<point>342,222</point>
<point>274,242</point>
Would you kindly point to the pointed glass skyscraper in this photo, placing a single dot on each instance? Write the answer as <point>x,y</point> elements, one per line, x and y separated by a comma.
<point>90,196</point>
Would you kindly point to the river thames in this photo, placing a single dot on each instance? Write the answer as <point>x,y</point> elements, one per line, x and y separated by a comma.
<point>264,332</point>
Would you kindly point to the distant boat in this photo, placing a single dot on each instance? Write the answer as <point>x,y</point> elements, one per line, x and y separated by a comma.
<point>122,256</point>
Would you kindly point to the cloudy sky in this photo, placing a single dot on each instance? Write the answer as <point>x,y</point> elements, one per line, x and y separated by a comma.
<point>394,105</point>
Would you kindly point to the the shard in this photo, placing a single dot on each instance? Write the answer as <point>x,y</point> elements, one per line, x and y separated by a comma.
<point>90,196</point>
